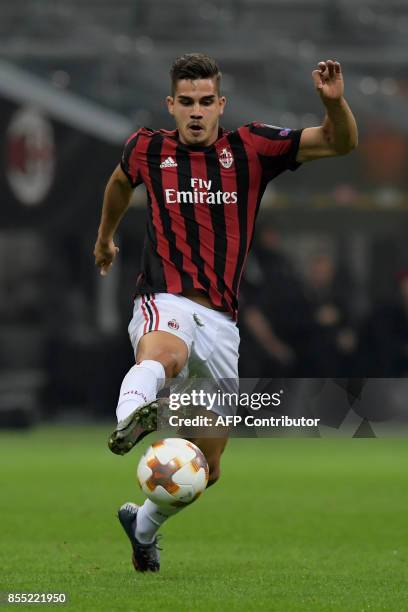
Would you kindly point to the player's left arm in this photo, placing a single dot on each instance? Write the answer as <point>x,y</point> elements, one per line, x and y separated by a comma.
<point>338,134</point>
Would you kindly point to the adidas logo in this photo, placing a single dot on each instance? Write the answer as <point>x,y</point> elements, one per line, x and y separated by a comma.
<point>168,163</point>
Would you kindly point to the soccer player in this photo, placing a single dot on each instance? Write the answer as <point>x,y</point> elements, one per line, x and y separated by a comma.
<point>204,186</point>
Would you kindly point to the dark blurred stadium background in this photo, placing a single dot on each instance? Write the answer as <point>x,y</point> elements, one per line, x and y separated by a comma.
<point>326,289</point>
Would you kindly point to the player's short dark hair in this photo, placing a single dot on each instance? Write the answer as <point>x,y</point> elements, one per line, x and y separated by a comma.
<point>194,66</point>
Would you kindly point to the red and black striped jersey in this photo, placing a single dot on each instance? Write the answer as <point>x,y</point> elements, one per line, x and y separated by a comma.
<point>202,205</point>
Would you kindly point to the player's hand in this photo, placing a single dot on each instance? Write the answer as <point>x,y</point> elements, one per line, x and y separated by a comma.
<point>328,81</point>
<point>105,253</point>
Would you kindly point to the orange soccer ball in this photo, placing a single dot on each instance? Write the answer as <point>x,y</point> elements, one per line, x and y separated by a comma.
<point>173,472</point>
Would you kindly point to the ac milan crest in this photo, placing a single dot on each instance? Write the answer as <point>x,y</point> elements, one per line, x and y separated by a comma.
<point>173,324</point>
<point>30,155</point>
<point>226,158</point>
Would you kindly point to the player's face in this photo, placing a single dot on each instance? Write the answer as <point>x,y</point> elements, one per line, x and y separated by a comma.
<point>196,108</point>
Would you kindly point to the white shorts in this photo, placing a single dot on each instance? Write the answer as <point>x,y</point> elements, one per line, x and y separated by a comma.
<point>211,336</point>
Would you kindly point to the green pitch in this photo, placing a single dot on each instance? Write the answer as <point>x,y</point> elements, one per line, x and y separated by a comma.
<point>293,525</point>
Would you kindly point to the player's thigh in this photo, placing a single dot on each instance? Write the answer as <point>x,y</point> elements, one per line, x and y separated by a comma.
<point>222,366</point>
<point>162,329</point>
<point>212,449</point>
<point>170,350</point>
<point>224,359</point>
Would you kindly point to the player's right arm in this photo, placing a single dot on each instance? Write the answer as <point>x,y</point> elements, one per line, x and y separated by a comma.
<point>118,194</point>
<point>116,201</point>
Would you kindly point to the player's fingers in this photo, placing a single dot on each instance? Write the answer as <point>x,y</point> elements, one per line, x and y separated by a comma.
<point>317,79</point>
<point>105,269</point>
<point>107,256</point>
<point>102,262</point>
<point>330,68</point>
<point>324,71</point>
<point>337,67</point>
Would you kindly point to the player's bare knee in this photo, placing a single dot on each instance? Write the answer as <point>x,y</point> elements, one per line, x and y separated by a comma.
<point>171,363</point>
<point>214,475</point>
<point>214,469</point>
<point>212,448</point>
<point>171,352</point>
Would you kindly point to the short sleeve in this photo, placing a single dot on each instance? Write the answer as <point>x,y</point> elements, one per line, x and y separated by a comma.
<point>277,147</point>
<point>130,162</point>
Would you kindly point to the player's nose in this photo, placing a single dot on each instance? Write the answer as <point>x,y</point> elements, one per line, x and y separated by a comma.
<point>196,112</point>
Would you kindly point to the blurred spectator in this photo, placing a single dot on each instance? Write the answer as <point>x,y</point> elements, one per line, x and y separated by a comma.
<point>334,340</point>
<point>72,347</point>
<point>384,343</point>
<point>275,321</point>
<point>77,355</point>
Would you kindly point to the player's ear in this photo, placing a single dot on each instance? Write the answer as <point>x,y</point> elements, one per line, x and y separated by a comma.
<point>222,102</point>
<point>170,104</point>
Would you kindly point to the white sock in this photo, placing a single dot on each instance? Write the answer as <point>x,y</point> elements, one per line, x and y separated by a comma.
<point>140,386</point>
<point>149,518</point>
